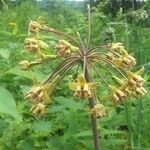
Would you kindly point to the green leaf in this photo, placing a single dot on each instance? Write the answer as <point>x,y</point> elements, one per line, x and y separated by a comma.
<point>3,125</point>
<point>69,103</point>
<point>111,132</point>
<point>114,141</point>
<point>56,109</point>
<point>7,104</point>
<point>26,74</point>
<point>41,128</point>
<point>83,134</point>
<point>17,71</point>
<point>5,53</point>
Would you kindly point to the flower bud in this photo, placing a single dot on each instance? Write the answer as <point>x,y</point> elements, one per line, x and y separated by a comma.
<point>24,65</point>
<point>29,41</point>
<point>117,47</point>
<point>42,44</point>
<point>85,93</point>
<point>128,61</point>
<point>38,109</point>
<point>135,80</point>
<point>99,110</point>
<point>110,56</point>
<point>32,48</point>
<point>117,95</point>
<point>118,80</point>
<point>45,57</point>
<point>31,45</point>
<point>63,48</point>
<point>35,93</point>
<point>34,27</point>
<point>139,92</point>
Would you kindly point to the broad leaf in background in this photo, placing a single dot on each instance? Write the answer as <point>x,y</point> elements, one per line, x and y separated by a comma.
<point>25,74</point>
<point>7,104</point>
<point>17,71</point>
<point>5,53</point>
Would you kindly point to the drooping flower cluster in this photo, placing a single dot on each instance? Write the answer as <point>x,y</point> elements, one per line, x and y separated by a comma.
<point>73,52</point>
<point>120,56</point>
<point>33,45</point>
<point>39,95</point>
<point>132,85</point>
<point>136,83</point>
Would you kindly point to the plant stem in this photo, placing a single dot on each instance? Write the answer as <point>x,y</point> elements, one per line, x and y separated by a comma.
<point>93,117</point>
<point>139,123</point>
<point>128,113</point>
<point>89,26</point>
<point>88,79</point>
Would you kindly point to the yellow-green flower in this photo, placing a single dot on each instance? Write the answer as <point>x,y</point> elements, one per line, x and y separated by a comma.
<point>24,65</point>
<point>99,110</point>
<point>139,92</point>
<point>117,95</point>
<point>110,56</point>
<point>38,109</point>
<point>118,48</point>
<point>82,88</point>
<point>38,94</point>
<point>33,45</point>
<point>125,62</point>
<point>128,61</point>
<point>134,79</point>
<point>65,48</point>
<point>34,26</point>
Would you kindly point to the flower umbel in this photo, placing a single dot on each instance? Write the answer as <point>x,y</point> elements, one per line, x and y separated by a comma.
<point>71,53</point>
<point>89,63</point>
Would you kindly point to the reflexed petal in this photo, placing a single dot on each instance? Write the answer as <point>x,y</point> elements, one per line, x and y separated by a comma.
<point>86,87</point>
<point>115,97</point>
<point>141,71</point>
<point>81,80</point>
<point>72,86</point>
<point>93,85</point>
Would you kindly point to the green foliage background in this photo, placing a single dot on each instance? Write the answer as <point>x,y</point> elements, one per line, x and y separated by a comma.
<point>67,124</point>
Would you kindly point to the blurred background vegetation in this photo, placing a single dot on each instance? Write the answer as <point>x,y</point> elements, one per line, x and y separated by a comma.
<point>67,124</point>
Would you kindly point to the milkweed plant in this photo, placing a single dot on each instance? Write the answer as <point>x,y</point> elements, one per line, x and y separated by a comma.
<point>73,53</point>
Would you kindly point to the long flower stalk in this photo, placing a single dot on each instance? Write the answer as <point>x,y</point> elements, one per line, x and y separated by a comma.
<point>93,116</point>
<point>88,79</point>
